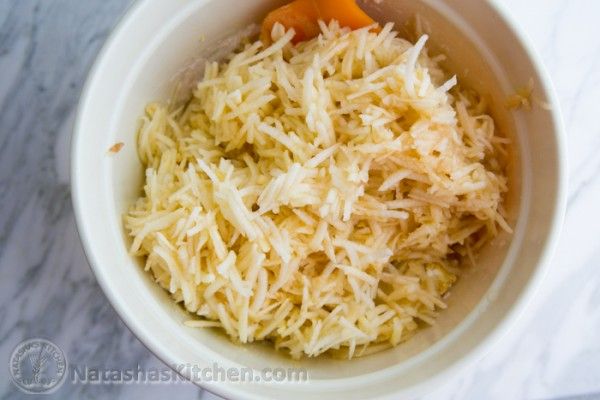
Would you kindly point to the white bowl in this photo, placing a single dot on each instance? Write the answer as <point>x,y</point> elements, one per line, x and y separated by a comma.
<point>152,44</point>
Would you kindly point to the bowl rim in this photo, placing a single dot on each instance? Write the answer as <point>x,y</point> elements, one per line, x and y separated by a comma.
<point>501,328</point>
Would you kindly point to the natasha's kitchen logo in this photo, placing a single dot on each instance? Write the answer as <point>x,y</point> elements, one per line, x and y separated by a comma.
<point>38,366</point>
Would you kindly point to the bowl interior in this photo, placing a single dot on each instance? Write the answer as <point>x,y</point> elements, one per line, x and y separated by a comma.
<point>162,43</point>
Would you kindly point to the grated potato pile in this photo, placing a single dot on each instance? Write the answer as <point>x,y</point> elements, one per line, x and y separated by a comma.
<point>320,196</point>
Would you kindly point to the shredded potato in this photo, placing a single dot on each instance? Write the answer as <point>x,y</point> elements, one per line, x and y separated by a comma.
<point>320,196</point>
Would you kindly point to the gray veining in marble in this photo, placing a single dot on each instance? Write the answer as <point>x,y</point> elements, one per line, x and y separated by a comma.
<point>47,289</point>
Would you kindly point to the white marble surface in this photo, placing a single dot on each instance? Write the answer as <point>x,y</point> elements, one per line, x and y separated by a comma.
<point>47,289</point>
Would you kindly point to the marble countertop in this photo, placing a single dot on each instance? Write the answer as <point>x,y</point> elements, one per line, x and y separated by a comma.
<point>47,289</point>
